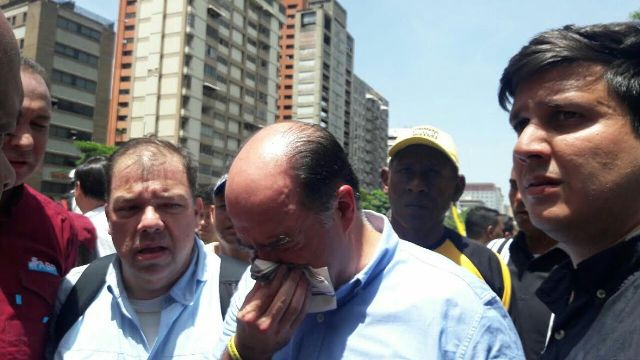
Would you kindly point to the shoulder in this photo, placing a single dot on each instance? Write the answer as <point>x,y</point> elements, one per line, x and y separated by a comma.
<point>436,270</point>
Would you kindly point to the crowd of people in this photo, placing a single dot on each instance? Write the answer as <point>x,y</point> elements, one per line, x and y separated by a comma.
<point>279,260</point>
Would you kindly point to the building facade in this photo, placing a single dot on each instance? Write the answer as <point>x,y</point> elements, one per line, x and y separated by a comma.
<point>203,74</point>
<point>369,124</point>
<point>75,47</point>
<point>487,193</point>
<point>317,66</point>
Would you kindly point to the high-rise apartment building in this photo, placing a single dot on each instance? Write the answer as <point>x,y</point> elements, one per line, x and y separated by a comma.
<point>318,66</point>
<point>317,84</point>
<point>369,124</point>
<point>204,74</point>
<point>75,47</point>
<point>122,66</point>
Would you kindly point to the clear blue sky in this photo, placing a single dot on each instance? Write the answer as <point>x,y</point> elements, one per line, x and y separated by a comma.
<point>439,62</point>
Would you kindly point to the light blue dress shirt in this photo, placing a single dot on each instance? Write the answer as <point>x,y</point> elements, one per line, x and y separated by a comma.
<point>407,303</point>
<point>190,321</point>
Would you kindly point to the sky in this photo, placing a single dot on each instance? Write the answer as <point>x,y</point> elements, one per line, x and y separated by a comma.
<point>439,62</point>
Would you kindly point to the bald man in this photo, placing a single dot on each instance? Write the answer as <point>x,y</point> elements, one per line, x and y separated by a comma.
<point>292,195</point>
<point>10,96</point>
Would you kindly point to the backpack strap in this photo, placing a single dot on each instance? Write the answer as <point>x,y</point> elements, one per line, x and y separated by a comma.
<point>80,297</point>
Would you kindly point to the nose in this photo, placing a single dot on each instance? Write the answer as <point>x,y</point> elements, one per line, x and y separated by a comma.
<point>151,220</point>
<point>22,138</point>
<point>532,144</point>
<point>417,183</point>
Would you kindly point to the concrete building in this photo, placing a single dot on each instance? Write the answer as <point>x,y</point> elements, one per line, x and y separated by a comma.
<point>487,193</point>
<point>203,74</point>
<point>75,47</point>
<point>317,67</point>
<point>122,66</point>
<point>369,123</point>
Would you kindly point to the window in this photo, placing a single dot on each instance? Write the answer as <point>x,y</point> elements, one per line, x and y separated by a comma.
<point>68,134</point>
<point>125,78</point>
<point>79,55</point>
<point>74,107</point>
<point>73,26</point>
<point>129,27</point>
<point>308,18</point>
<point>73,80</point>
<point>209,70</point>
<point>130,15</point>
<point>124,92</point>
<point>60,160</point>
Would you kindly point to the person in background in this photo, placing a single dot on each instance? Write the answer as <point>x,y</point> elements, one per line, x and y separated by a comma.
<point>234,255</point>
<point>530,255</point>
<point>206,228</point>
<point>90,196</point>
<point>423,180</point>
<point>484,224</point>
<point>38,238</point>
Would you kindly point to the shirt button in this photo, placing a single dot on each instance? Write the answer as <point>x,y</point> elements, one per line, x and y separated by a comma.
<point>559,335</point>
<point>601,294</point>
<point>320,318</point>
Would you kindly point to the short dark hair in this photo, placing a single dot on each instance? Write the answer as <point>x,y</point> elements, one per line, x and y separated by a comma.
<point>478,219</point>
<point>206,194</point>
<point>91,177</point>
<point>320,165</point>
<point>508,224</point>
<point>614,46</point>
<point>35,68</point>
<point>161,145</point>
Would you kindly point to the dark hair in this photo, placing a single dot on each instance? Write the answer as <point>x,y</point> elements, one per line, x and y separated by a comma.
<point>91,177</point>
<point>320,164</point>
<point>614,46</point>
<point>159,145</point>
<point>206,194</point>
<point>508,224</point>
<point>478,219</point>
<point>35,68</point>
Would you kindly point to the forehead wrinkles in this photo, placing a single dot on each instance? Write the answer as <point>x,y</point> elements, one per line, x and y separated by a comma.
<point>148,163</point>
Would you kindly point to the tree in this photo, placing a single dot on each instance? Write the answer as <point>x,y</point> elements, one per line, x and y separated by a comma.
<point>90,149</point>
<point>375,200</point>
<point>635,15</point>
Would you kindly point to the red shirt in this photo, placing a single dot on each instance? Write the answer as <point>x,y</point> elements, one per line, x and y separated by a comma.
<point>38,246</point>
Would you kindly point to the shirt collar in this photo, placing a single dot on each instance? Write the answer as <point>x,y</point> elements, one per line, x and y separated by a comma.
<point>524,260</point>
<point>382,257</point>
<point>606,270</point>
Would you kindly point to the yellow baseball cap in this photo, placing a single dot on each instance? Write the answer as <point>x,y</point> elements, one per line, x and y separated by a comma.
<point>429,136</point>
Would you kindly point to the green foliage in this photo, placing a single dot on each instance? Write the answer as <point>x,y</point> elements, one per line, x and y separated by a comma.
<point>635,15</point>
<point>448,220</point>
<point>90,149</point>
<point>375,200</point>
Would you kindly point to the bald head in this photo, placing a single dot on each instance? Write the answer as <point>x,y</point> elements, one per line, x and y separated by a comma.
<point>10,95</point>
<point>308,155</point>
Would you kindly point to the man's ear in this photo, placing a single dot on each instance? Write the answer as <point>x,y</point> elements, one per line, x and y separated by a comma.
<point>347,206</point>
<point>384,176</point>
<point>461,182</point>
<point>107,213</point>
<point>488,232</point>
<point>198,208</point>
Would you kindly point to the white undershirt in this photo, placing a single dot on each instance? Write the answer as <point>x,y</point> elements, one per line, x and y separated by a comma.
<point>148,312</point>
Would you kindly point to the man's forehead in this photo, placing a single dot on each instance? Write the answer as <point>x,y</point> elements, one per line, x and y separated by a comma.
<point>148,166</point>
<point>422,153</point>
